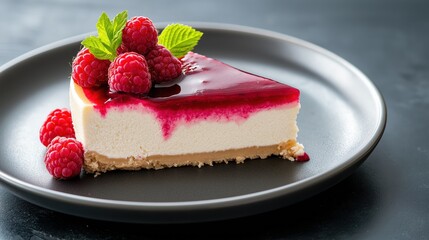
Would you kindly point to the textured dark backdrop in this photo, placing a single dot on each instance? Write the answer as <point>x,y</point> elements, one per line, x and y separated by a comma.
<point>386,198</point>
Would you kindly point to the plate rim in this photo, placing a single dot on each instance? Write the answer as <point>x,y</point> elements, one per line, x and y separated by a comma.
<point>218,202</point>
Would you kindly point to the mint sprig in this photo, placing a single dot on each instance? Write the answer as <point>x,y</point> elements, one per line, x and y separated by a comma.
<point>179,39</point>
<point>109,36</point>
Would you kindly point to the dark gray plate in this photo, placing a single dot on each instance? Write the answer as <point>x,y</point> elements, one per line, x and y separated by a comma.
<point>341,121</point>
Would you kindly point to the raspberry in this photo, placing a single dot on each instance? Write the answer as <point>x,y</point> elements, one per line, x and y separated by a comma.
<point>139,35</point>
<point>58,123</point>
<point>121,49</point>
<point>88,71</point>
<point>129,73</point>
<point>64,157</point>
<point>163,66</point>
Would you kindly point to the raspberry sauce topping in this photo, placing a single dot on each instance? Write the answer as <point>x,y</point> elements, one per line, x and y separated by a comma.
<point>207,89</point>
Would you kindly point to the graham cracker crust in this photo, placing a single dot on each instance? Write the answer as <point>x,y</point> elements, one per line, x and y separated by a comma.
<point>97,163</point>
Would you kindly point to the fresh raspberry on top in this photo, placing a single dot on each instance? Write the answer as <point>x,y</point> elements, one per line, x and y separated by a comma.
<point>64,158</point>
<point>121,49</point>
<point>129,73</point>
<point>58,123</point>
<point>88,71</point>
<point>139,35</point>
<point>163,66</point>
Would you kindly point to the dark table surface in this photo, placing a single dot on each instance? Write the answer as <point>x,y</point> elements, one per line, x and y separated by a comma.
<point>386,198</point>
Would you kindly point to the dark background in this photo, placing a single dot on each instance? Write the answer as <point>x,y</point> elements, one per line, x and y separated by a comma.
<point>386,198</point>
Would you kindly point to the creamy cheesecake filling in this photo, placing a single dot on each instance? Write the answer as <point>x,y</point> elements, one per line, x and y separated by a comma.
<point>135,131</point>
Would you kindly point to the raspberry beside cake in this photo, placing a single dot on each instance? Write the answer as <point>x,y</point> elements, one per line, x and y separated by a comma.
<point>212,113</point>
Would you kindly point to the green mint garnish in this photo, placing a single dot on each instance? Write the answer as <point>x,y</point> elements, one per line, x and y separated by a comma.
<point>109,36</point>
<point>179,39</point>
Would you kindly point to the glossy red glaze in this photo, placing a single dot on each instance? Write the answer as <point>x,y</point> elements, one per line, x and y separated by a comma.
<point>207,90</point>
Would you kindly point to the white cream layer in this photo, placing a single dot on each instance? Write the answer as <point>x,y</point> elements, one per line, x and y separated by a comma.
<point>136,132</point>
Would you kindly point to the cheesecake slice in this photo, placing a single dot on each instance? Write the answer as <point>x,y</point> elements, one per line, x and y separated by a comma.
<point>212,113</point>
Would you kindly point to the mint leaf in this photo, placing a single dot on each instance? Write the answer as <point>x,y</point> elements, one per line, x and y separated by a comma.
<point>104,28</point>
<point>118,25</point>
<point>97,48</point>
<point>179,39</point>
<point>109,36</point>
